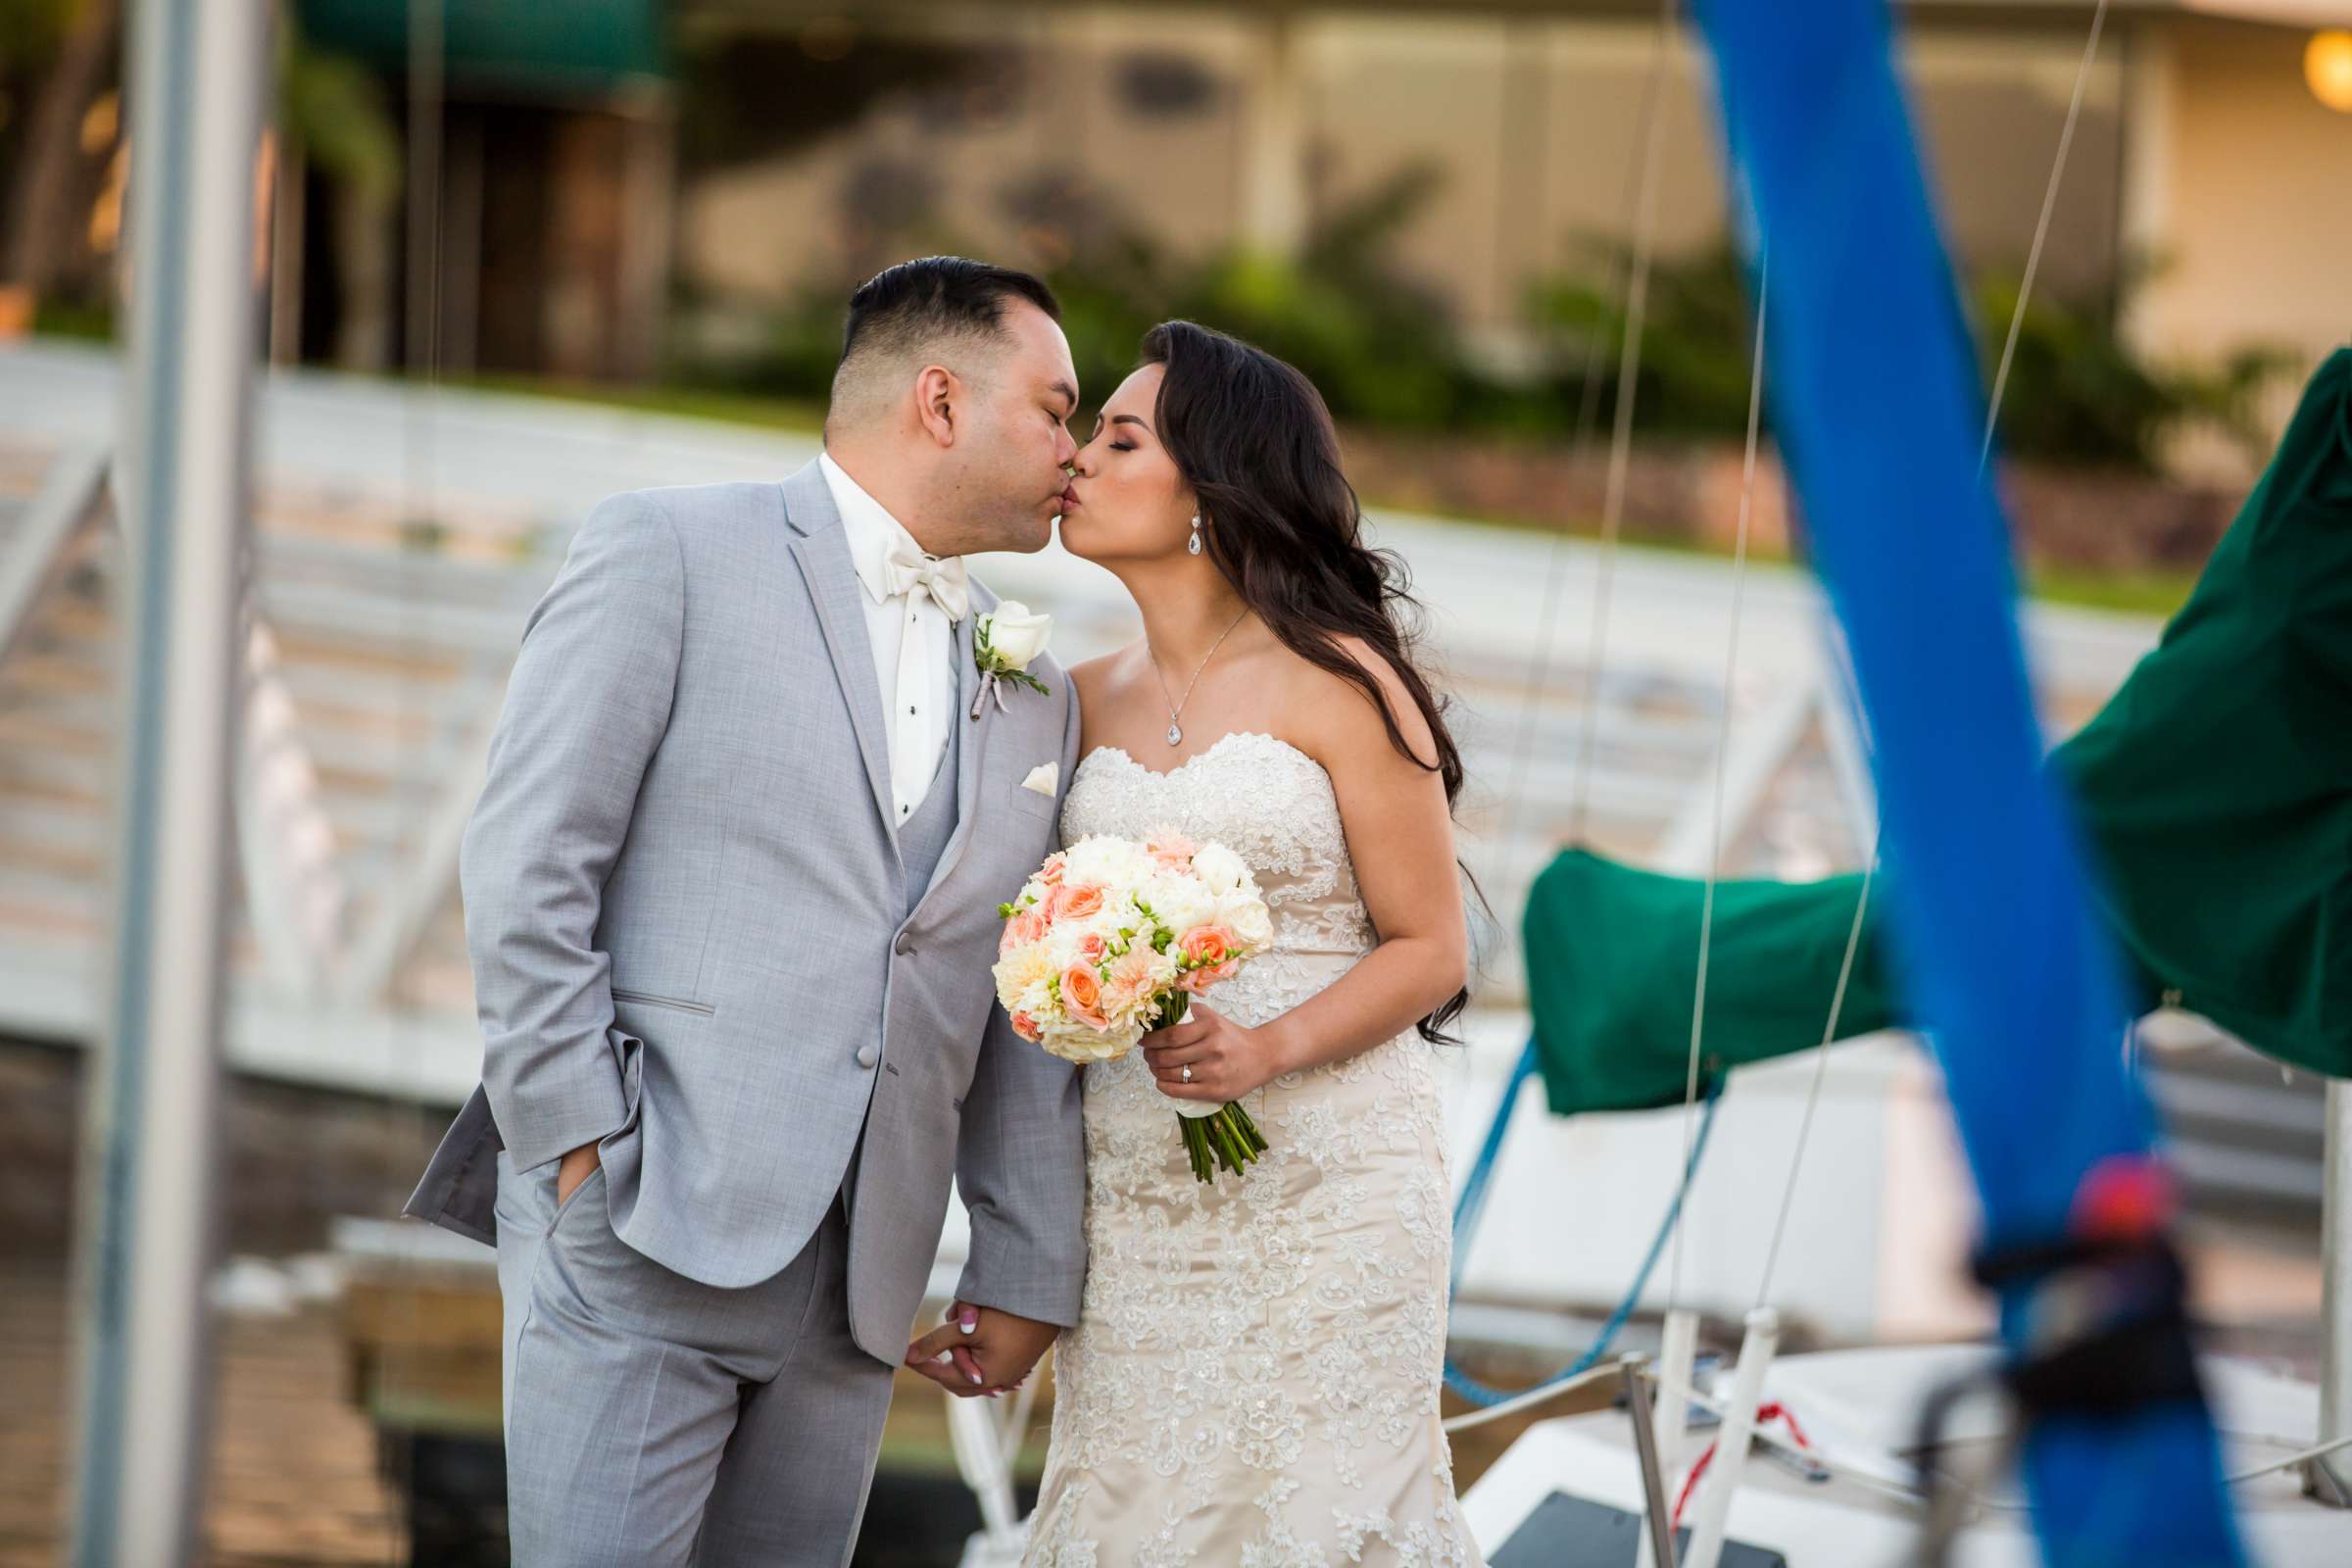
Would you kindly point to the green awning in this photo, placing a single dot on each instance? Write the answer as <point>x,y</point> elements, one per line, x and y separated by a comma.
<point>2215,791</point>
<point>577,46</point>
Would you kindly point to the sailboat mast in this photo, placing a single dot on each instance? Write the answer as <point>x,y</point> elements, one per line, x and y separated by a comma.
<point>149,1222</point>
<point>2329,1476</point>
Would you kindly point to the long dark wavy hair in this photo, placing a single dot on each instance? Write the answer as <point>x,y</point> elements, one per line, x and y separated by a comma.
<point>1253,438</point>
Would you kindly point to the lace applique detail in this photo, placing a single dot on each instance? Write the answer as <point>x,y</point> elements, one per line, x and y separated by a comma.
<point>1254,1375</point>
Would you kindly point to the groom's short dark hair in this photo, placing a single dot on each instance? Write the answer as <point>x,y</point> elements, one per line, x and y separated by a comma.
<point>911,310</point>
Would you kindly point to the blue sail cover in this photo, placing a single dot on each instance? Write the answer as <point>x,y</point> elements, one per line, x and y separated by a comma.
<point>1876,398</point>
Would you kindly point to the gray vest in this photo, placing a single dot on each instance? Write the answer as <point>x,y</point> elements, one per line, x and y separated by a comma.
<point>923,836</point>
<point>923,840</point>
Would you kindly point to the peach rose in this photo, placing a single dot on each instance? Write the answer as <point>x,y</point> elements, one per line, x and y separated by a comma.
<point>1022,929</point>
<point>1207,953</point>
<point>1049,873</point>
<point>1205,946</point>
<point>1070,903</point>
<point>1026,1027</point>
<point>1082,997</point>
<point>1092,947</point>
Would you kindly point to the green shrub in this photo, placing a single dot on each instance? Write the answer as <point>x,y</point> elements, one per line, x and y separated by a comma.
<point>2077,391</point>
<point>1387,353</point>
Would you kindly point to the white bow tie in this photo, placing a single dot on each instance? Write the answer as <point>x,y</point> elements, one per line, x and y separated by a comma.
<point>904,570</point>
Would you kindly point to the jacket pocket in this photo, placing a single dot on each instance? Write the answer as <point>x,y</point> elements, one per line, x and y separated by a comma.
<point>1032,804</point>
<point>646,999</point>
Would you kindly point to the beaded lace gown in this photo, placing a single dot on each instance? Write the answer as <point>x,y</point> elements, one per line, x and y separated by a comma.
<point>1253,1378</point>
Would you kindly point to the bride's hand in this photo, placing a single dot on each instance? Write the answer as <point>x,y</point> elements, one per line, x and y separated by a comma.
<point>1225,1060</point>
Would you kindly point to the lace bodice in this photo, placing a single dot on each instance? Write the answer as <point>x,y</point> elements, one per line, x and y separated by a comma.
<point>1270,803</point>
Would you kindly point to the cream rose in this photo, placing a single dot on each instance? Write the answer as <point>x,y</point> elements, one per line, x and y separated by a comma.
<point>1248,920</point>
<point>1105,862</point>
<point>1179,903</point>
<point>1219,867</point>
<point>1015,635</point>
<point>1083,1045</point>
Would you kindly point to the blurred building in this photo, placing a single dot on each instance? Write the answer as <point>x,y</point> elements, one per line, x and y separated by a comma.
<point>532,233</point>
<point>611,169</point>
<point>2201,148</point>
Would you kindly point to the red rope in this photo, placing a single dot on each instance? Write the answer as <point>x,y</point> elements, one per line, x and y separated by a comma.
<point>1766,1413</point>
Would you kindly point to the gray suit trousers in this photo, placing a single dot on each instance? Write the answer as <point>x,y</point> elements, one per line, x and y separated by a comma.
<point>653,1420</point>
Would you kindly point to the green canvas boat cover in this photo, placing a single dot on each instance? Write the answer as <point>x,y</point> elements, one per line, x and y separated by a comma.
<point>2214,791</point>
<point>529,47</point>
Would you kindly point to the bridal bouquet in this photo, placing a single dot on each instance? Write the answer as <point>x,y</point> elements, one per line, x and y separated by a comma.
<point>1112,939</point>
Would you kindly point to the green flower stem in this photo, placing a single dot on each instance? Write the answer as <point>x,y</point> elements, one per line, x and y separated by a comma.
<point>1196,1145</point>
<point>1227,1140</point>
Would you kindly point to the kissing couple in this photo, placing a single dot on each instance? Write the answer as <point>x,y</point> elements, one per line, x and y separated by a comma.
<point>770,759</point>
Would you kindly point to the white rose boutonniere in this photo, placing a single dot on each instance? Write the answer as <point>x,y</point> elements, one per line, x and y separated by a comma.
<point>1005,641</point>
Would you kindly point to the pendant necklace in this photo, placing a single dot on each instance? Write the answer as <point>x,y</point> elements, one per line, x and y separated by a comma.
<point>1176,703</point>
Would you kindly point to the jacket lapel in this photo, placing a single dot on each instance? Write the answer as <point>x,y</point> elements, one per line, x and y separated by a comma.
<point>822,550</point>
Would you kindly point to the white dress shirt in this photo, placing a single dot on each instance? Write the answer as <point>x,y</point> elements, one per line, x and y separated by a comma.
<point>909,633</point>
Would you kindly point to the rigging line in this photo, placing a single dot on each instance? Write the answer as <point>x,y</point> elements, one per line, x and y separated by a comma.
<point>1621,436</point>
<point>1827,1458</point>
<point>2042,229</point>
<point>1638,205</point>
<point>1821,1058</point>
<point>1545,1393</point>
<point>1641,179</point>
<point>1477,1393</point>
<point>1637,210</point>
<point>1723,737</point>
<point>2302,1456</point>
<point>1816,1457</point>
<point>1993,416</point>
<point>1975,1497</point>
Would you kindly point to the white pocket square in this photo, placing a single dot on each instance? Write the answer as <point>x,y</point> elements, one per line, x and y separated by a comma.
<point>1045,778</point>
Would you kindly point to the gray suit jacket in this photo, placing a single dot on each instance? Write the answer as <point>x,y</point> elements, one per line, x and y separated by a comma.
<point>683,899</point>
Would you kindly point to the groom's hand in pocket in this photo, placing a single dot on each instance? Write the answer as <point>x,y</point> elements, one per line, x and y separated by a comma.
<point>576,1168</point>
<point>979,1350</point>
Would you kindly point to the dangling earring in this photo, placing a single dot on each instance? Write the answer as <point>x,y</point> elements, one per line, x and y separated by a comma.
<point>1193,546</point>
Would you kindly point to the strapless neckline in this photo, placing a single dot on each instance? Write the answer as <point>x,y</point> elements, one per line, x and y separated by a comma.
<point>1121,754</point>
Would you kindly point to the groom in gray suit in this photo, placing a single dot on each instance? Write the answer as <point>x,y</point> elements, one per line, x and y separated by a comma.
<point>730,892</point>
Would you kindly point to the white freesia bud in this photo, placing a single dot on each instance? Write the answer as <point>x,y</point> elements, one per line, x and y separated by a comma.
<point>1015,635</point>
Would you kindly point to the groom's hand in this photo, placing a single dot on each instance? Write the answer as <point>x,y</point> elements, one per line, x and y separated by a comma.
<point>979,1350</point>
<point>574,1170</point>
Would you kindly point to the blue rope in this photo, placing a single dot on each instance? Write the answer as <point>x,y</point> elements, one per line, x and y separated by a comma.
<point>1473,1201</point>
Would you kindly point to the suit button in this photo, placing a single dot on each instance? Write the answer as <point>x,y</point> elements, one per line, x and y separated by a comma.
<point>905,948</point>
<point>865,1055</point>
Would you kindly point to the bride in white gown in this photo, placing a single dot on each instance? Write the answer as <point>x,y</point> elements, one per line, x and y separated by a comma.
<point>1254,1377</point>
